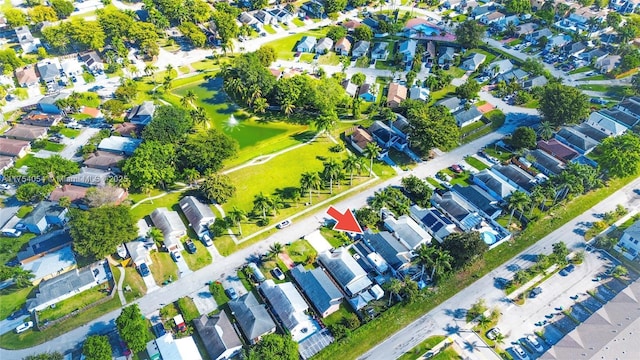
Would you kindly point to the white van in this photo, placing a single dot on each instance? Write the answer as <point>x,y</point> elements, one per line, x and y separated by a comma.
<point>11,232</point>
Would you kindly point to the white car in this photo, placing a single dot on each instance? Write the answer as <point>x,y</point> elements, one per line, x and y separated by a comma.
<point>519,352</point>
<point>24,327</point>
<point>491,334</point>
<point>533,340</point>
<point>283,224</point>
<point>206,240</point>
<point>176,255</point>
<point>11,232</point>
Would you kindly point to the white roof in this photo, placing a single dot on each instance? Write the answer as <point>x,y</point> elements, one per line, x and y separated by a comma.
<point>178,349</point>
<point>51,263</point>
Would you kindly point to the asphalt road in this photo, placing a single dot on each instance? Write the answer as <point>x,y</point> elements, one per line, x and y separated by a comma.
<point>441,319</point>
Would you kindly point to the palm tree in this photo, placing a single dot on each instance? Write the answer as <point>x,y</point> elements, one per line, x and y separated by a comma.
<point>237,215</point>
<point>331,172</point>
<point>394,288</point>
<point>310,181</point>
<point>483,321</point>
<point>437,259</point>
<point>380,199</point>
<point>191,175</point>
<point>199,115</point>
<point>150,70</point>
<point>517,201</point>
<point>350,164</point>
<point>499,339</point>
<point>325,123</point>
<point>262,203</point>
<point>373,151</point>
<point>288,107</point>
<point>169,69</point>
<point>546,130</point>
<point>537,197</point>
<point>146,189</point>
<point>276,249</point>
<point>188,99</point>
<point>276,203</point>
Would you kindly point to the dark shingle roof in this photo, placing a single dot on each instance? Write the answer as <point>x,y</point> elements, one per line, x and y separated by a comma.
<point>317,286</point>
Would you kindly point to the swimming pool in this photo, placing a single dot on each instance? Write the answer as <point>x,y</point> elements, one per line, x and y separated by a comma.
<point>427,29</point>
<point>488,237</point>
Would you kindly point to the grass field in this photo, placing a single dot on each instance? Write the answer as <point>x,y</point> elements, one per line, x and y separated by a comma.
<point>200,259</point>
<point>301,251</point>
<point>330,58</point>
<point>423,347</point>
<point>9,247</point>
<point>78,301</point>
<point>295,20</point>
<point>27,160</point>
<point>12,299</point>
<point>53,147</point>
<point>163,268</point>
<point>188,308</point>
<point>269,29</point>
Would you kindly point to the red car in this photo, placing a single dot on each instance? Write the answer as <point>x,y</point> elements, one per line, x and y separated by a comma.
<point>456,168</point>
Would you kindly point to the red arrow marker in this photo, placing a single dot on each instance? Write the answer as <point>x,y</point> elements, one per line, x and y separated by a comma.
<point>345,222</point>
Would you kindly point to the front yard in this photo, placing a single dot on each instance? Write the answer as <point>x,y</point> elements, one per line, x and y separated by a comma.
<point>200,259</point>
<point>133,281</point>
<point>76,302</point>
<point>163,267</point>
<point>12,299</point>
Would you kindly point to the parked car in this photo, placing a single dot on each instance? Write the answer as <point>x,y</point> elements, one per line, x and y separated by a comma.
<point>599,101</point>
<point>492,333</point>
<point>283,224</point>
<point>18,313</point>
<point>456,168</point>
<point>24,327</point>
<point>535,292</point>
<point>519,352</point>
<point>11,233</point>
<point>206,240</point>
<point>533,340</point>
<point>277,273</point>
<point>159,330</point>
<point>144,270</point>
<point>567,270</point>
<point>175,255</point>
<point>231,293</point>
<point>191,247</point>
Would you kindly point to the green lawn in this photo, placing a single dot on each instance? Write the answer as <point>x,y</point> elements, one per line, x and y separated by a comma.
<point>12,299</point>
<point>514,42</point>
<point>217,291</point>
<point>610,91</point>
<point>269,29</point>
<point>496,117</point>
<point>188,308</point>
<point>488,60</point>
<point>295,20</point>
<point>53,147</point>
<point>595,77</point>
<point>24,211</point>
<point>147,207</point>
<point>455,71</point>
<point>78,301</point>
<point>9,246</point>
<point>163,267</point>
<point>133,280</point>
<point>307,57</point>
<point>442,93</point>
<point>581,70</point>
<point>300,251</point>
<point>447,354</point>
<point>423,347</point>
<point>434,183</point>
<point>70,133</point>
<point>476,163</point>
<point>89,99</point>
<point>200,259</point>
<point>533,104</point>
<point>330,58</point>
<point>344,310</point>
<point>285,46</point>
<point>335,238</point>
<point>27,160</point>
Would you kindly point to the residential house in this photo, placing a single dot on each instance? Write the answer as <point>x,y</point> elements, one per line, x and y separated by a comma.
<point>342,47</point>
<point>289,307</point>
<point>345,270</point>
<point>401,126</point>
<point>575,140</point>
<point>306,44</point>
<point>50,264</point>
<point>281,15</point>
<point>434,221</point>
<point>349,87</point>
<point>119,145</point>
<point>5,163</point>
<point>27,42</point>
<point>608,63</point>
<point>27,76</point>
<point>89,177</point>
<point>53,291</point>
<point>324,45</point>
<point>264,17</point>
<point>172,227</point>
<point>45,215</point>
<point>71,67</point>
<point>606,123</point>
<point>92,60</point>
<point>407,49</point>
<point>624,6</point>
<point>535,36</point>
<point>419,93</point>
<point>371,23</point>
<point>621,115</point>
<point>397,94</point>
<point>246,19</point>
<point>14,148</point>
<point>42,245</point>
<point>380,51</point>
<point>407,231</point>
<point>219,336</point>
<point>313,8</point>
<point>447,56</point>
<point>389,248</point>
<point>545,163</point>
<point>359,139</point>
<point>517,75</point>
<point>492,17</point>
<point>39,118</point>
<point>507,20</point>
<point>319,289</point>
<point>591,132</point>
<point>594,55</point>
<point>198,214</point>
<point>629,106</point>
<point>494,185</point>
<point>480,199</point>
<point>386,137</point>
<point>431,54</point>
<point>104,160</point>
<point>468,116</point>
<point>351,25</point>
<point>452,103</point>
<point>128,129</point>
<point>175,349</point>
<point>473,62</point>
<point>534,82</point>
<point>526,29</point>
<point>630,241</point>
<point>360,48</point>
<point>368,92</point>
<point>140,251</point>
<point>451,4</point>
<point>480,11</point>
<point>74,193</point>
<point>575,48</point>
<point>26,132</point>
<point>49,72</point>
<point>558,41</point>
<point>141,114</point>
<point>557,149</point>
<point>516,177</point>
<point>499,67</point>
<point>252,317</point>
<point>459,210</point>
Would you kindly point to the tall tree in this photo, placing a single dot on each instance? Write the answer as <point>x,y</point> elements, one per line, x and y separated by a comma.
<point>169,125</point>
<point>330,172</point>
<point>132,327</point>
<point>53,169</point>
<point>274,347</point>
<point>310,181</point>
<point>394,287</point>
<point>206,152</point>
<point>237,216</point>
<point>519,201</point>
<point>97,232</point>
<point>464,247</point>
<point>217,188</point>
<point>62,8</point>
<point>431,127</point>
<point>373,151</point>
<point>350,165</point>
<point>523,137</point>
<point>97,347</point>
<point>152,164</point>
<point>469,34</point>
<point>546,130</point>
<point>262,204</point>
<point>620,155</point>
<point>563,105</point>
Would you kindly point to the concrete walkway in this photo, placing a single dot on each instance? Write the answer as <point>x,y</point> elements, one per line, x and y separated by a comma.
<point>117,265</point>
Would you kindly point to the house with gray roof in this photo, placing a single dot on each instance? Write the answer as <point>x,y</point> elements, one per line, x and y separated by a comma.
<point>281,15</point>
<point>535,36</point>
<point>197,213</point>
<point>306,44</point>
<point>526,29</point>
<point>172,227</point>
<point>44,216</point>
<point>44,244</point>
<point>324,45</point>
<point>494,185</point>
<point>61,287</point>
<point>606,64</point>
<point>468,116</point>
<point>139,251</point>
<point>590,131</point>
<point>360,48</point>
<point>517,75</point>
<point>576,140</point>
<point>252,317</point>
<point>459,210</point>
<point>289,307</point>
<point>104,161</point>
<point>473,62</point>
<point>434,221</point>
<point>480,199</point>
<point>264,17</point>
<point>407,231</point>
<point>515,176</point>
<point>49,72</point>
<point>345,270</point>
<point>380,51</point>
<point>142,114</point>
<point>499,67</point>
<point>546,163</point>
<point>316,285</point>
<point>534,82</point>
<point>89,177</point>
<point>606,123</point>
<point>408,50</point>
<point>389,247</point>
<point>218,336</point>
<point>119,145</point>
<point>452,103</point>
<point>447,56</point>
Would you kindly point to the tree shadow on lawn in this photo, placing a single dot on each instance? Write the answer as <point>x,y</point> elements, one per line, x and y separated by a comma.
<point>303,136</point>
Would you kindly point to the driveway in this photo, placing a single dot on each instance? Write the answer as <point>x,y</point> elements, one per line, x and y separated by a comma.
<point>72,146</point>
<point>150,282</point>
<point>204,300</point>
<point>233,281</point>
<point>183,269</point>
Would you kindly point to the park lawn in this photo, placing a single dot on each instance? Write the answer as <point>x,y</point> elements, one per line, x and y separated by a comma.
<point>296,21</point>
<point>133,280</point>
<point>285,46</point>
<point>9,246</point>
<point>476,163</point>
<point>163,267</point>
<point>423,347</point>
<point>200,259</point>
<point>188,308</point>
<point>300,251</point>
<point>30,338</point>
<point>144,209</point>
<point>78,301</point>
<point>12,299</point>
<point>269,29</point>
<point>330,58</point>
<point>70,133</point>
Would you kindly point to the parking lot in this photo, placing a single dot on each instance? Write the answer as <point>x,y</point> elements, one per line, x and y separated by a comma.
<point>559,293</point>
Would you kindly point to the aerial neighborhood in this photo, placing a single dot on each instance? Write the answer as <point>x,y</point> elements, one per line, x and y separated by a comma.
<point>322,179</point>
